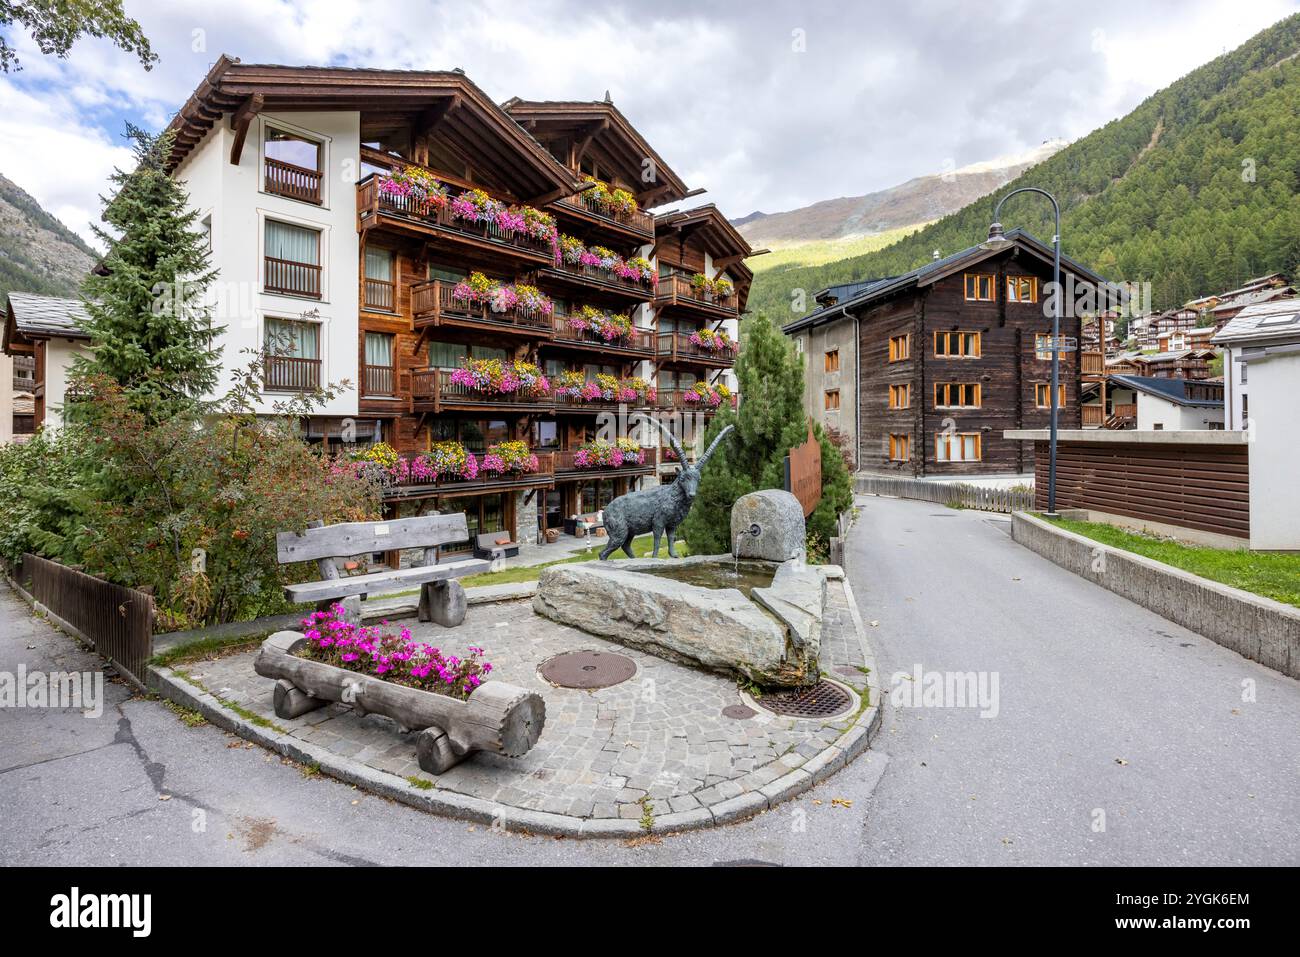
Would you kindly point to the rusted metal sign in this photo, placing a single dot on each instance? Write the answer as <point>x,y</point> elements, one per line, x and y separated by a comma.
<point>803,473</point>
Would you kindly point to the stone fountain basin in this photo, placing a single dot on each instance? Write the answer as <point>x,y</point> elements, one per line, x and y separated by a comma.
<point>771,638</point>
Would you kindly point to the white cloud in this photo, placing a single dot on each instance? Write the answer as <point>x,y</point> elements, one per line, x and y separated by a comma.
<point>881,93</point>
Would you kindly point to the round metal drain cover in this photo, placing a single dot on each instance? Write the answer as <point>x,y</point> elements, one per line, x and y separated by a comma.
<point>738,711</point>
<point>825,699</point>
<point>587,669</point>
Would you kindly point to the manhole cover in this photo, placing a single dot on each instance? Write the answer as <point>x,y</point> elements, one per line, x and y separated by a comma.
<point>738,711</point>
<point>825,699</point>
<point>587,669</point>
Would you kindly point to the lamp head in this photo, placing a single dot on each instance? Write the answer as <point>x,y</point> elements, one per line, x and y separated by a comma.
<point>996,240</point>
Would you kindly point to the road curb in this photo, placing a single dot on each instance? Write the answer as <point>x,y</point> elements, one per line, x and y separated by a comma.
<point>169,684</point>
<point>1255,627</point>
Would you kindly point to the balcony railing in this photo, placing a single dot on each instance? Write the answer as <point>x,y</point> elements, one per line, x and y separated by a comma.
<point>381,295</point>
<point>24,384</point>
<point>290,374</point>
<point>1092,363</point>
<point>433,390</point>
<point>642,340</point>
<point>638,221</point>
<point>292,278</point>
<point>433,303</point>
<point>1094,416</point>
<point>570,403</point>
<point>378,380</point>
<point>677,289</point>
<point>544,475</point>
<point>676,401</point>
<point>677,347</point>
<point>295,182</point>
<point>634,288</point>
<point>564,462</point>
<point>371,200</point>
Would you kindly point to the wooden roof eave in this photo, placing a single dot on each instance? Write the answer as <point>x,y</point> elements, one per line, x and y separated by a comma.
<point>491,134</point>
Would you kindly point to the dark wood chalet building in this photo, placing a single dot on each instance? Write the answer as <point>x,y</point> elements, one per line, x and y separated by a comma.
<point>924,371</point>
<point>443,252</point>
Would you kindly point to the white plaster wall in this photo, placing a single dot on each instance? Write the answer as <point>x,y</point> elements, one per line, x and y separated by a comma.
<point>233,196</point>
<point>1153,411</point>
<point>6,398</point>
<point>1236,387</point>
<point>59,354</point>
<point>1274,453</point>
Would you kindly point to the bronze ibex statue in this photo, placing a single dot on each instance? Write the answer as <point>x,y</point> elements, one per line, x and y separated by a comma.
<point>660,509</point>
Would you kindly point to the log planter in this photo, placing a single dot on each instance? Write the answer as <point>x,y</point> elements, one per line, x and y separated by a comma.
<point>497,716</point>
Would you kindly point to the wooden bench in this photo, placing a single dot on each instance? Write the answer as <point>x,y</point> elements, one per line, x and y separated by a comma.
<point>442,598</point>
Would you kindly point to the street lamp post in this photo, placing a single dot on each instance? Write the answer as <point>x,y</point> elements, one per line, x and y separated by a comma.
<point>996,240</point>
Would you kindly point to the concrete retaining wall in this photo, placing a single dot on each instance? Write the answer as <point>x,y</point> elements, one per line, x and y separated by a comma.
<point>1261,629</point>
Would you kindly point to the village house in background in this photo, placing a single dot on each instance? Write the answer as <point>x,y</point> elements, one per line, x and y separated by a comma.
<point>41,336</point>
<point>923,372</point>
<point>440,252</point>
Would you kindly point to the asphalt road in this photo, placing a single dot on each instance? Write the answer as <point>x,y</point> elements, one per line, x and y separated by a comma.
<point>1100,706</point>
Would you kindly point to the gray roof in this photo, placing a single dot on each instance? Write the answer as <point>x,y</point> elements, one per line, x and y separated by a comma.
<point>1171,390</point>
<point>877,288</point>
<point>1265,322</point>
<point>847,290</point>
<point>48,315</point>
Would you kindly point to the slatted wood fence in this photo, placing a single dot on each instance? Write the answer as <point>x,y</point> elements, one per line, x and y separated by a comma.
<point>958,494</point>
<point>1192,485</point>
<point>118,620</point>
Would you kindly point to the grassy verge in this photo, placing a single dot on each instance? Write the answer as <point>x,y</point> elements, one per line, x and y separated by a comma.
<point>1270,574</point>
<point>640,547</point>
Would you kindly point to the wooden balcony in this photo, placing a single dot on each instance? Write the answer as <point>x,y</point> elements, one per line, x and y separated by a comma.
<point>676,290</point>
<point>590,279</point>
<point>677,348</point>
<point>567,469</point>
<point>290,374</point>
<point>433,306</point>
<point>431,390</point>
<point>375,208</point>
<point>640,346</point>
<point>675,401</point>
<point>1094,415</point>
<point>378,381</point>
<point>445,487</point>
<point>592,406</point>
<point>1092,363</point>
<point>637,224</point>
<point>290,278</point>
<point>295,182</point>
<point>380,295</point>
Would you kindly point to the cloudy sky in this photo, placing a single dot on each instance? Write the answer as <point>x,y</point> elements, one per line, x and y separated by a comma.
<point>769,105</point>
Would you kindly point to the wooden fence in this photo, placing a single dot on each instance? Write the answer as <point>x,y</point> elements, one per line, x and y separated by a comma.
<point>1192,485</point>
<point>116,619</point>
<point>959,494</point>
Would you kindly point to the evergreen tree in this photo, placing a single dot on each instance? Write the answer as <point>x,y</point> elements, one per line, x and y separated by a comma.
<point>150,329</point>
<point>769,423</point>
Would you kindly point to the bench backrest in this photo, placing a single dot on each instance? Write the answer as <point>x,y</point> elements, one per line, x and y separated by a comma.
<point>361,538</point>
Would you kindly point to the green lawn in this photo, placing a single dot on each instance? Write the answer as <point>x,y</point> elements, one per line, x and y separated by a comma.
<point>641,547</point>
<point>1271,574</point>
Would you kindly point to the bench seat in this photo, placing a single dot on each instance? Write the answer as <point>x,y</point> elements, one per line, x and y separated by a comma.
<point>364,585</point>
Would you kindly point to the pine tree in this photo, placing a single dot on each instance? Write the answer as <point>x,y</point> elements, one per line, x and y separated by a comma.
<point>769,423</point>
<point>150,329</point>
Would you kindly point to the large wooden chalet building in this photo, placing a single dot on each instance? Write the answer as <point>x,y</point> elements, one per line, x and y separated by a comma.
<point>921,373</point>
<point>395,227</point>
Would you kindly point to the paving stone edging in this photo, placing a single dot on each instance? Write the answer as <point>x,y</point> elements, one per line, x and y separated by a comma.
<point>1255,627</point>
<point>852,742</point>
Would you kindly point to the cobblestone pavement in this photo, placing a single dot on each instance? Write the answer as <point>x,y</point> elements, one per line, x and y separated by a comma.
<point>660,735</point>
